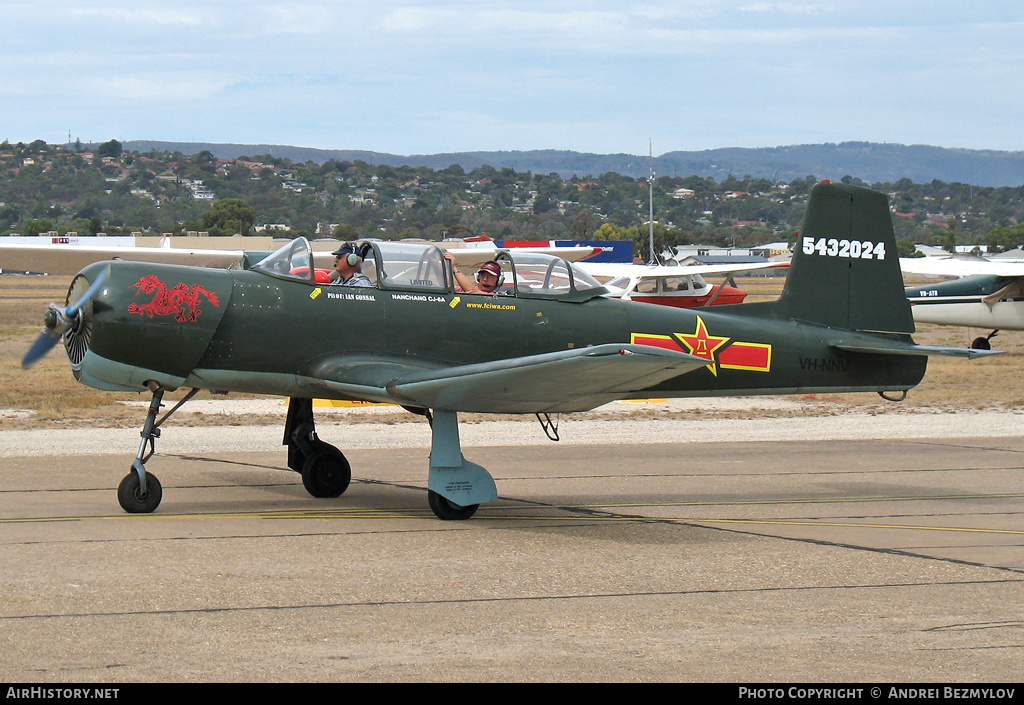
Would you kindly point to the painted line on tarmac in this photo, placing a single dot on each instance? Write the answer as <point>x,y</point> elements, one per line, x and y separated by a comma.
<point>364,514</point>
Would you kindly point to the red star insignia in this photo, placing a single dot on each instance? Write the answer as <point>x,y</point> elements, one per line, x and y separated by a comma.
<point>700,344</point>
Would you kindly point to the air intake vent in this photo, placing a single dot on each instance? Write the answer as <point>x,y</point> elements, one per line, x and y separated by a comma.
<point>77,337</point>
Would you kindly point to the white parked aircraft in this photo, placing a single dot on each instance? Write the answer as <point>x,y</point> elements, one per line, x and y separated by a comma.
<point>681,286</point>
<point>985,294</point>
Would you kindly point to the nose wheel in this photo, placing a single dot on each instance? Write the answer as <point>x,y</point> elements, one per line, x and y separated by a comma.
<point>135,499</point>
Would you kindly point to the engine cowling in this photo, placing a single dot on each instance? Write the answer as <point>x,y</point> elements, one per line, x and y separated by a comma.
<point>150,323</point>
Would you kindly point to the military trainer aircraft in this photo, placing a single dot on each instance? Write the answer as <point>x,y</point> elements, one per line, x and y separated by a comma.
<point>984,294</point>
<point>548,342</point>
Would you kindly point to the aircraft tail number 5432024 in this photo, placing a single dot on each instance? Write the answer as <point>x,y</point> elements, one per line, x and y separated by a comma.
<point>549,341</point>
<point>831,247</point>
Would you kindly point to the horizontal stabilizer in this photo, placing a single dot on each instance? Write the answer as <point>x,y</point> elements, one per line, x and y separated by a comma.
<point>568,380</point>
<point>897,348</point>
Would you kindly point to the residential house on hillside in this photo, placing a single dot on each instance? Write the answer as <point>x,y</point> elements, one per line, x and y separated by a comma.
<point>710,254</point>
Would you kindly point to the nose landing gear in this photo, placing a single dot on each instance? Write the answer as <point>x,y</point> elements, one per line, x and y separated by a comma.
<point>140,492</point>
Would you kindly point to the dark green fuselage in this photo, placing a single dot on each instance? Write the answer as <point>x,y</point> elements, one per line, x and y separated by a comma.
<point>278,336</point>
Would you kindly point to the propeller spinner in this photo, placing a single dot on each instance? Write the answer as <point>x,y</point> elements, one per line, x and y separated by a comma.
<point>58,320</point>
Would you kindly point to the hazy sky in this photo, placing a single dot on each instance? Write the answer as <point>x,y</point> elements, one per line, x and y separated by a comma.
<point>427,76</point>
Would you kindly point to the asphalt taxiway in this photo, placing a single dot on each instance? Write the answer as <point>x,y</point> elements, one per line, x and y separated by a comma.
<point>788,560</point>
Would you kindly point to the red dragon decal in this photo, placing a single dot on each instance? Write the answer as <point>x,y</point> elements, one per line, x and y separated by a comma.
<point>181,301</point>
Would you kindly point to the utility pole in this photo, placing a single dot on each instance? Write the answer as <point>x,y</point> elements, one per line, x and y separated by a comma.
<point>650,182</point>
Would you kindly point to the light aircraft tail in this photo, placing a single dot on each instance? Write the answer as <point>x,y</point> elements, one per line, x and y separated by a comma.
<point>845,271</point>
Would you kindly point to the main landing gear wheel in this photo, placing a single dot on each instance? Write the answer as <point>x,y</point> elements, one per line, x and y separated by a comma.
<point>133,500</point>
<point>984,343</point>
<point>449,511</point>
<point>326,473</point>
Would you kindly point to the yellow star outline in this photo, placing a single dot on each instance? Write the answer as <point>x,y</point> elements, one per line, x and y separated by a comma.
<point>703,345</point>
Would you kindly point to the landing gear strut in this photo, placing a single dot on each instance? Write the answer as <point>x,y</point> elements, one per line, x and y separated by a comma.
<point>140,492</point>
<point>457,487</point>
<point>325,471</point>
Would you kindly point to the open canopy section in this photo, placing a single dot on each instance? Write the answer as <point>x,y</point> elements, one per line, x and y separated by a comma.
<point>293,260</point>
<point>541,276</point>
<point>407,266</point>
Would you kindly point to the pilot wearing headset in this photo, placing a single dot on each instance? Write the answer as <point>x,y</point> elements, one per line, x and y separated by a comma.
<point>488,277</point>
<point>347,267</point>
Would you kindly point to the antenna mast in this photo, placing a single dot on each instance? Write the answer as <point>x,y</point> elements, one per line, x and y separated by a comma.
<point>653,259</point>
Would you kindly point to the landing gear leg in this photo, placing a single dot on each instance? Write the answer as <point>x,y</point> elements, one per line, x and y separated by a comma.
<point>325,471</point>
<point>456,486</point>
<point>140,492</point>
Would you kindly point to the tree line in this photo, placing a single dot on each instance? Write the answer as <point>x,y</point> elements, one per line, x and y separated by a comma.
<point>106,189</point>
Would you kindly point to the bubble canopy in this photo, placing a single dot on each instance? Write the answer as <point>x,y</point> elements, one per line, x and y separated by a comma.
<point>422,267</point>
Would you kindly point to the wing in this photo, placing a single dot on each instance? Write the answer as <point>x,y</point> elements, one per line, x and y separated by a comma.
<point>70,259</point>
<point>569,380</point>
<point>606,271</point>
<point>959,267</point>
<point>564,381</point>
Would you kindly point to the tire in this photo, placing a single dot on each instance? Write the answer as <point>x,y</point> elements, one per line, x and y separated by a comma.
<point>449,511</point>
<point>135,502</point>
<point>980,344</point>
<point>326,473</point>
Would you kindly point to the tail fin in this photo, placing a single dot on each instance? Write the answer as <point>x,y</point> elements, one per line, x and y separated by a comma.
<point>845,271</point>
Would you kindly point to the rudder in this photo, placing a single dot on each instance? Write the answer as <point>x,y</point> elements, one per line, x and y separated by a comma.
<point>845,271</point>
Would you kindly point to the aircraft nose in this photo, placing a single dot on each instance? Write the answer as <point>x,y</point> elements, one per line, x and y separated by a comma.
<point>72,322</point>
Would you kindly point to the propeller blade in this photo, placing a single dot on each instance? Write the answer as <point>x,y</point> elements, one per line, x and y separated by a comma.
<point>58,321</point>
<point>72,310</point>
<point>44,343</point>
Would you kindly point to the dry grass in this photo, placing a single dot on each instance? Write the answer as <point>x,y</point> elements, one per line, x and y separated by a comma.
<point>47,395</point>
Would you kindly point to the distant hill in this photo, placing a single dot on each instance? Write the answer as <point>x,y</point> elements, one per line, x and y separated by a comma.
<point>871,162</point>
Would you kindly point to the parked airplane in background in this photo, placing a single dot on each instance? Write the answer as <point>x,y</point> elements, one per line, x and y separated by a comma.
<point>554,344</point>
<point>681,286</point>
<point>986,294</point>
